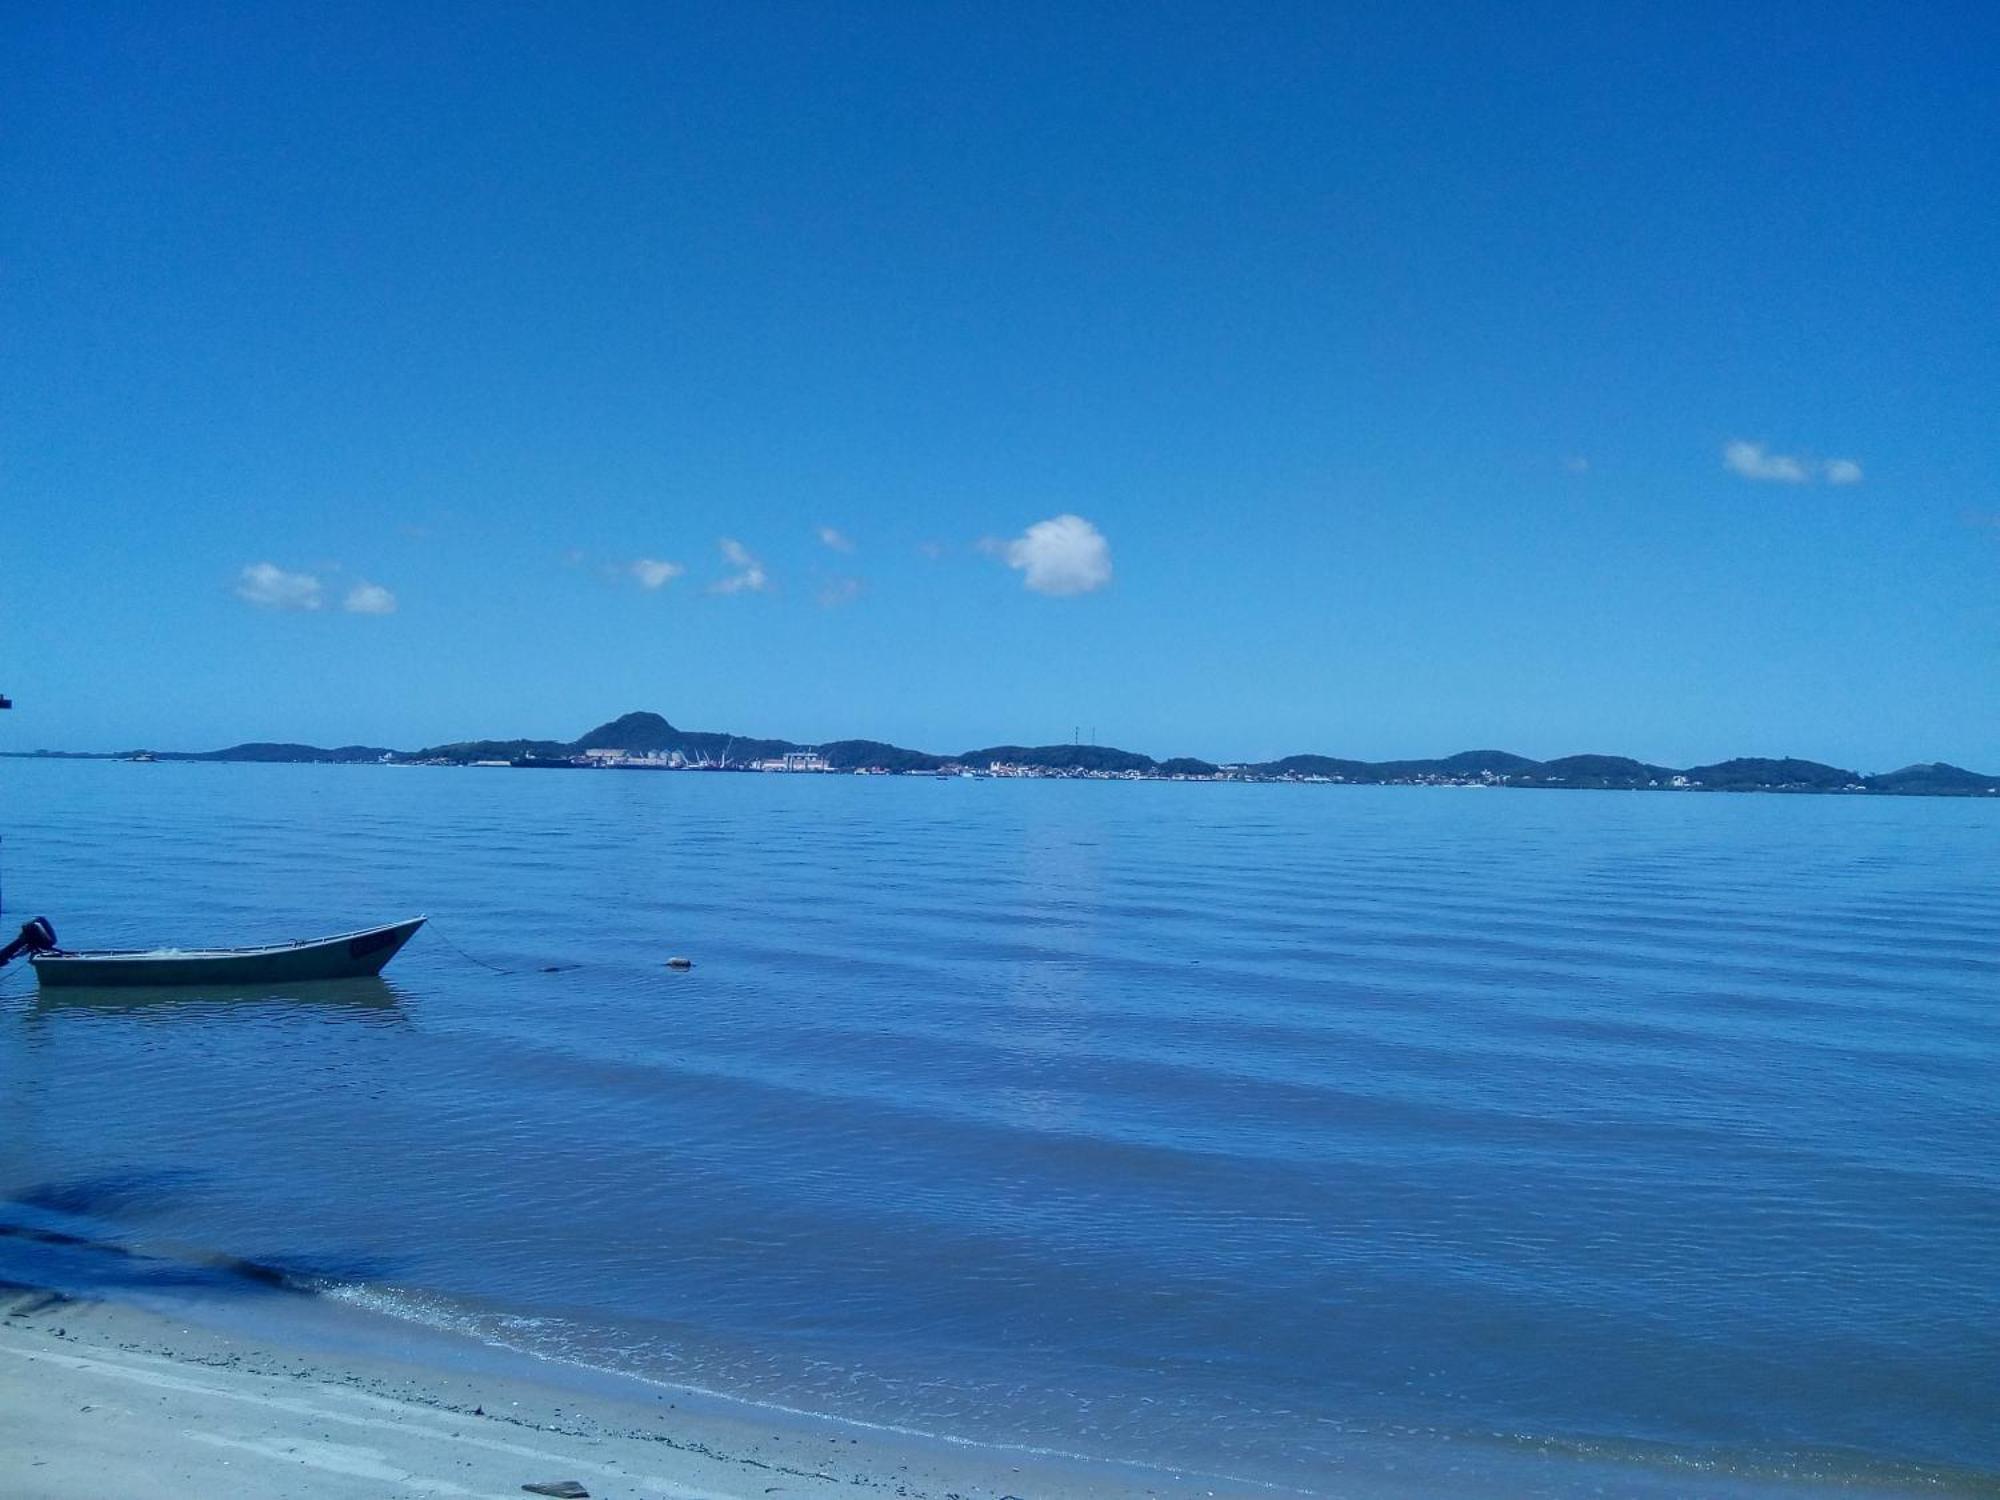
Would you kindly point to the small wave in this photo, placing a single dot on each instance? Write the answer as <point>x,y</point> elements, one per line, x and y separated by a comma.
<point>443,1316</point>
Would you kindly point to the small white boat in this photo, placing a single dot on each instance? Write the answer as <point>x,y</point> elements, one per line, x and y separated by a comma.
<point>347,955</point>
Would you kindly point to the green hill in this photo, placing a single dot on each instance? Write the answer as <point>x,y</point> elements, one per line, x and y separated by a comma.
<point>1935,779</point>
<point>284,754</point>
<point>1315,765</point>
<point>855,755</point>
<point>1608,772</point>
<point>1755,774</point>
<point>639,732</point>
<point>647,733</point>
<point>1061,757</point>
<point>470,750</point>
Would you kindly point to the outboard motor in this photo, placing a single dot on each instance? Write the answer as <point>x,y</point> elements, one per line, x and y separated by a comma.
<point>36,936</point>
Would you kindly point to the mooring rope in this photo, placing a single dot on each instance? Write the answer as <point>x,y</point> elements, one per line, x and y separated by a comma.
<point>468,957</point>
<point>473,958</point>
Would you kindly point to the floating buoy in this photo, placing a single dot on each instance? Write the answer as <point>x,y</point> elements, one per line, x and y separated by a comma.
<point>680,963</point>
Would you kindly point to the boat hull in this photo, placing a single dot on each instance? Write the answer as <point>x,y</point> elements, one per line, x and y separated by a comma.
<point>350,955</point>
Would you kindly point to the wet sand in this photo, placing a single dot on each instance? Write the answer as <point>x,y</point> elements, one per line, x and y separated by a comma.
<point>101,1399</point>
<point>111,1400</point>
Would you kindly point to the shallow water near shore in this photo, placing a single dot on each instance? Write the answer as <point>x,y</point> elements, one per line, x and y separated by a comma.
<point>1290,1134</point>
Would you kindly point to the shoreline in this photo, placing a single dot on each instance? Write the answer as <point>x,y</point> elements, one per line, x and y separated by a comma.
<point>1973,787</point>
<point>105,1397</point>
<point>176,1395</point>
<point>646,742</point>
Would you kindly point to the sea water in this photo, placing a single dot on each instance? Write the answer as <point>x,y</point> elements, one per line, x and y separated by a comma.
<point>1262,1131</point>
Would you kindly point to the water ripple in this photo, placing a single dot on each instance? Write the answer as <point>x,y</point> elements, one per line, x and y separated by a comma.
<point>1257,1129</point>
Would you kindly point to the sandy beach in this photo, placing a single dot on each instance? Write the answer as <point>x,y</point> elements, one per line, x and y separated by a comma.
<point>101,1400</point>
<point>105,1400</point>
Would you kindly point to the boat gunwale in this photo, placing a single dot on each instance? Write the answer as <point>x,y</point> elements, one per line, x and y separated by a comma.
<point>178,955</point>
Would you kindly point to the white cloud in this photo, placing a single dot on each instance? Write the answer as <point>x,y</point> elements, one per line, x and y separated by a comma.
<point>839,591</point>
<point>653,574</point>
<point>932,550</point>
<point>1577,465</point>
<point>270,587</point>
<point>369,599</point>
<point>749,576</point>
<point>1753,462</point>
<point>837,540</point>
<point>1062,555</point>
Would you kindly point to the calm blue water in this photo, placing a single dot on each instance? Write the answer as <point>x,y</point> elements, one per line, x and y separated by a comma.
<point>1251,1128</point>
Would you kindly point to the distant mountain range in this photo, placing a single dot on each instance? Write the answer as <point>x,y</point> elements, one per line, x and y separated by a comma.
<point>648,733</point>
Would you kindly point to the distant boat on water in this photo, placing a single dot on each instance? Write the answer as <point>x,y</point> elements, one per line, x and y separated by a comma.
<point>348,955</point>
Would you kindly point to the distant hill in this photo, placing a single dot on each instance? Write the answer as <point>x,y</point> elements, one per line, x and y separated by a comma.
<point>283,754</point>
<point>649,733</point>
<point>1313,765</point>
<point>1935,780</point>
<point>1607,772</point>
<point>640,731</point>
<point>467,751</point>
<point>1472,762</point>
<point>1465,763</point>
<point>1060,757</point>
<point>855,755</point>
<point>1787,775</point>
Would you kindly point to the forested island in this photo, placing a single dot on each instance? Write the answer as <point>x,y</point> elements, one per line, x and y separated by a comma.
<point>646,741</point>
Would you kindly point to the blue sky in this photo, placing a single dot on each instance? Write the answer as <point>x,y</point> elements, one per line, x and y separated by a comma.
<point>1227,380</point>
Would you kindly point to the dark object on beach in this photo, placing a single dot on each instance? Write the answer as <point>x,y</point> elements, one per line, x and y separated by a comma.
<point>562,1489</point>
<point>350,955</point>
<point>36,937</point>
<point>680,963</point>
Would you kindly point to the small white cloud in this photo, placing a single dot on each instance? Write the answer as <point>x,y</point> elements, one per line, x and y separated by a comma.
<point>839,541</point>
<point>1752,461</point>
<point>369,599</point>
<point>749,576</point>
<point>1577,465</point>
<point>653,574</point>
<point>839,591</point>
<point>270,587</point>
<point>932,550</point>
<point>1060,556</point>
